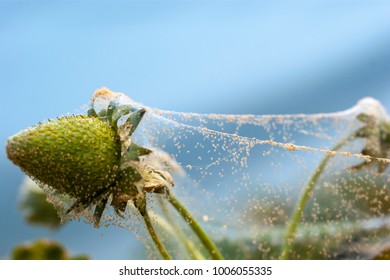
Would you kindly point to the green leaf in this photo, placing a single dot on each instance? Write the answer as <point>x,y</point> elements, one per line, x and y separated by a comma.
<point>35,207</point>
<point>42,249</point>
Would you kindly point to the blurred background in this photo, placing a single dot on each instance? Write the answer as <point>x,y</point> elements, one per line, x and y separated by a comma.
<point>257,57</point>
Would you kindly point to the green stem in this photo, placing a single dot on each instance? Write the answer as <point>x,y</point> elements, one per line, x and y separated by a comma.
<point>171,226</point>
<point>204,238</point>
<point>292,227</point>
<point>155,237</point>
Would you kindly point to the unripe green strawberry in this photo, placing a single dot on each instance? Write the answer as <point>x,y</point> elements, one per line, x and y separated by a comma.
<point>76,155</point>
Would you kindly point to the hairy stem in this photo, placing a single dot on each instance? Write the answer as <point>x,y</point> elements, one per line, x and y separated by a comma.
<point>155,237</point>
<point>204,238</point>
<point>292,227</point>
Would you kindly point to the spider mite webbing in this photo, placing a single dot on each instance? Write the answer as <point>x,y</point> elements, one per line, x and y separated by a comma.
<point>243,175</point>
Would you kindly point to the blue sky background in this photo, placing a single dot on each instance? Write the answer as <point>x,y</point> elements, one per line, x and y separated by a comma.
<point>256,57</point>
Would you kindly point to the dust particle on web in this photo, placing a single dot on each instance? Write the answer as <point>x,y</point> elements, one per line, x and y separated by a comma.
<point>289,147</point>
<point>366,158</point>
<point>331,153</point>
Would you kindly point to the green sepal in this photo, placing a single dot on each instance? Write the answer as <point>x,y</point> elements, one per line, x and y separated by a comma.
<point>84,202</point>
<point>120,209</point>
<point>110,110</point>
<point>92,113</point>
<point>134,119</point>
<point>127,178</point>
<point>119,112</point>
<point>100,114</point>
<point>126,189</point>
<point>135,151</point>
<point>99,209</point>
